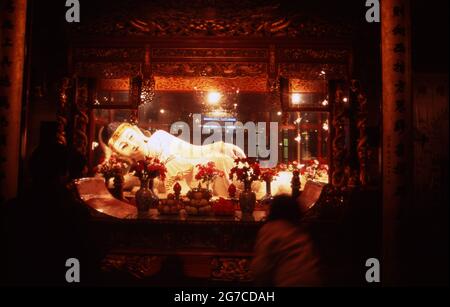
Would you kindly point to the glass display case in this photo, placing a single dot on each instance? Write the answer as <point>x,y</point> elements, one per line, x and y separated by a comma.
<point>223,125</point>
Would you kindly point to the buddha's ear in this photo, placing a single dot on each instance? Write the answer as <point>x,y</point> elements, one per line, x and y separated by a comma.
<point>145,132</point>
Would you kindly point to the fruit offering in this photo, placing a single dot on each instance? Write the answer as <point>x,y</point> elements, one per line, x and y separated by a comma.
<point>199,203</point>
<point>169,205</point>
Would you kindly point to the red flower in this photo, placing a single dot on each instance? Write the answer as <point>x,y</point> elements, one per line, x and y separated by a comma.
<point>267,174</point>
<point>111,167</point>
<point>245,170</point>
<point>149,168</point>
<point>208,172</point>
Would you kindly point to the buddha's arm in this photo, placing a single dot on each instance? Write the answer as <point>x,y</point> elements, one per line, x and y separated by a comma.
<point>169,144</point>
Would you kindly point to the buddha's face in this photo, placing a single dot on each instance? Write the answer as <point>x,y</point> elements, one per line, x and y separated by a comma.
<point>130,142</point>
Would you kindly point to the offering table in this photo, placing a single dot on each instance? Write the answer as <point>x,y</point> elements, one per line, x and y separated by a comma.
<point>212,247</point>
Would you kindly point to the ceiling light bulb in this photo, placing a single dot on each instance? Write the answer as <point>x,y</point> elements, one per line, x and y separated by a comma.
<point>296,98</point>
<point>214,97</point>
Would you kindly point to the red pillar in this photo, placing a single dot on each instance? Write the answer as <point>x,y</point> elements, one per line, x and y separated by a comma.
<point>12,55</point>
<point>397,132</point>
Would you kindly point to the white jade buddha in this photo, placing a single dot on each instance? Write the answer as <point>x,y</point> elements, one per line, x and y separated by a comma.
<point>129,142</point>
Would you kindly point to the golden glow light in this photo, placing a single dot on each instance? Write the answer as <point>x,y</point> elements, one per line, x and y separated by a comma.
<point>279,113</point>
<point>162,111</point>
<point>298,138</point>
<point>214,97</point>
<point>296,98</point>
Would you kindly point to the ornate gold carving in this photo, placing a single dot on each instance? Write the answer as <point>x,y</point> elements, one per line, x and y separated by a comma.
<point>230,269</point>
<point>309,54</point>
<point>114,84</point>
<point>61,113</point>
<point>81,119</point>
<point>339,176</point>
<point>212,69</point>
<point>109,54</point>
<point>209,53</point>
<point>137,266</point>
<point>244,84</point>
<point>307,71</point>
<point>272,60</point>
<point>233,18</point>
<point>307,86</point>
<point>107,70</point>
<point>361,122</point>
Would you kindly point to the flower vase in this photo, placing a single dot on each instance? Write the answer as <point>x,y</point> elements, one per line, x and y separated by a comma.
<point>117,190</point>
<point>208,189</point>
<point>247,199</point>
<point>146,199</point>
<point>107,179</point>
<point>295,184</point>
<point>268,197</point>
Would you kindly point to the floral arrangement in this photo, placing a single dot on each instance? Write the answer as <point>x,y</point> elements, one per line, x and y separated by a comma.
<point>112,167</point>
<point>314,169</point>
<point>267,174</point>
<point>245,170</point>
<point>208,172</point>
<point>288,167</point>
<point>149,168</point>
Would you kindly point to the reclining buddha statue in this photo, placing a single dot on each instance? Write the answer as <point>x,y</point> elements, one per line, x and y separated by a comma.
<point>131,143</point>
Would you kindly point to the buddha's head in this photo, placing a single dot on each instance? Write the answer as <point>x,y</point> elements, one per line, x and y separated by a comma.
<point>128,140</point>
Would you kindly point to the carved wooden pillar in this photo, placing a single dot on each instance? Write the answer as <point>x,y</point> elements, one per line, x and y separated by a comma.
<point>353,135</point>
<point>12,55</point>
<point>359,101</point>
<point>148,83</point>
<point>83,94</point>
<point>61,110</point>
<point>337,133</point>
<point>397,130</point>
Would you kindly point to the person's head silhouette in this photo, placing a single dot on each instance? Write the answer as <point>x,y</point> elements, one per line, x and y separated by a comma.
<point>284,207</point>
<point>48,162</point>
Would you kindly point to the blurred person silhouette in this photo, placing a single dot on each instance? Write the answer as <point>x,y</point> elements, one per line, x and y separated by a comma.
<point>45,225</point>
<point>284,251</point>
<point>77,165</point>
